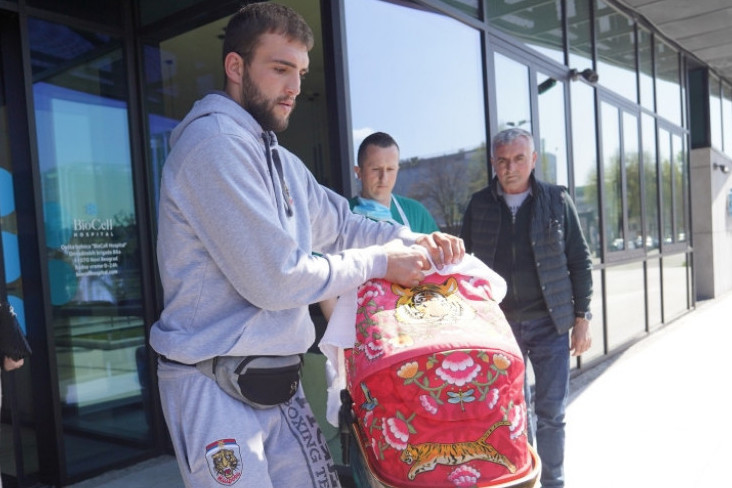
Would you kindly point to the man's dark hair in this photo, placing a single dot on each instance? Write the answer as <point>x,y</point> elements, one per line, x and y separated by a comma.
<point>379,139</point>
<point>247,25</point>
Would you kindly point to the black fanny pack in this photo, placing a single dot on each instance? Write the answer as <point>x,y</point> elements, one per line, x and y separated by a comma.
<point>259,381</point>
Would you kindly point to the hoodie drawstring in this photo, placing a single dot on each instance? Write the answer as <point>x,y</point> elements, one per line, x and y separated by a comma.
<point>273,159</point>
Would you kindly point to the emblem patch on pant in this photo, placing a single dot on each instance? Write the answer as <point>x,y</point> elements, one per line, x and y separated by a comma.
<point>224,461</point>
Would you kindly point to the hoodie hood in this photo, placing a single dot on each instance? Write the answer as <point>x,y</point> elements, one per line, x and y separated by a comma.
<point>217,102</point>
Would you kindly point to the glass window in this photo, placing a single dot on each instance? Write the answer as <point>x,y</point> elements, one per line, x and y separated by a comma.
<point>579,32</point>
<point>632,181</point>
<point>110,12</point>
<point>82,130</point>
<point>470,7</point>
<point>675,286</point>
<point>614,234</point>
<point>150,11</point>
<point>443,155</point>
<point>664,159</point>
<point>681,184</point>
<point>653,291</point>
<point>18,417</point>
<point>625,305</point>
<point>715,112</point>
<point>538,23</point>
<point>512,93</point>
<point>650,179</point>
<point>552,162</point>
<point>615,38</point>
<point>727,118</point>
<point>668,82</point>
<point>645,64</point>
<point>584,146</point>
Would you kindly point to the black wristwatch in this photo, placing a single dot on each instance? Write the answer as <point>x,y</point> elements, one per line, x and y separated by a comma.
<point>584,315</point>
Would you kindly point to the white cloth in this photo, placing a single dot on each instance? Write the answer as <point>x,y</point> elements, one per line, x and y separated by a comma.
<point>341,331</point>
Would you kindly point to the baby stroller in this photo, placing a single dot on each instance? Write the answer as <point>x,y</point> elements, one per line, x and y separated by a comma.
<point>434,386</point>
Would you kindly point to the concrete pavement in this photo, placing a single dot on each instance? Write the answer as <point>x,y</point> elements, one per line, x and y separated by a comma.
<point>652,416</point>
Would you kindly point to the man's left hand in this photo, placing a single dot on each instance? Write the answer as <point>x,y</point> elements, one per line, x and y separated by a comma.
<point>581,339</point>
<point>444,249</point>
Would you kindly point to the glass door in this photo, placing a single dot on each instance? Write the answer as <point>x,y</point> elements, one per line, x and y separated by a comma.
<point>92,247</point>
<point>19,458</point>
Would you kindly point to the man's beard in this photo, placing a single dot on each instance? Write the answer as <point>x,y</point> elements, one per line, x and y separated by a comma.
<point>260,108</point>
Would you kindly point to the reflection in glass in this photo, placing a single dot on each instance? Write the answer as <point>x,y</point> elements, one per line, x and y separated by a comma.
<point>443,154</point>
<point>614,235</point>
<point>625,303</point>
<point>585,165</point>
<point>615,38</point>
<point>18,417</point>
<point>632,179</point>
<point>645,64</point>
<point>664,160</point>
<point>650,177</point>
<point>470,7</point>
<point>84,160</point>
<point>182,69</point>
<point>675,286</point>
<point>512,93</point>
<point>653,290</point>
<point>715,112</point>
<point>551,164</point>
<point>150,11</point>
<point>668,82</point>
<point>681,185</point>
<point>176,75</point>
<point>727,118</point>
<point>537,23</point>
<point>579,28</point>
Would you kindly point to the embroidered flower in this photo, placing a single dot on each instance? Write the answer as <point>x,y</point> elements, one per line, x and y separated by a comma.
<point>517,417</point>
<point>372,350</point>
<point>369,290</point>
<point>408,370</point>
<point>428,403</point>
<point>458,369</point>
<point>492,397</point>
<point>501,362</point>
<point>464,476</point>
<point>396,432</point>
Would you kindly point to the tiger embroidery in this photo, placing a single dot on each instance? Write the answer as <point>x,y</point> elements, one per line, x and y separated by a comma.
<point>424,457</point>
<point>429,302</point>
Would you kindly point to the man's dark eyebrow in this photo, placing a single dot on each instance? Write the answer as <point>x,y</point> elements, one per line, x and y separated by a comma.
<point>288,63</point>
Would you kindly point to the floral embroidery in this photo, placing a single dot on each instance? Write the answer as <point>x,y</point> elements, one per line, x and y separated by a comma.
<point>464,475</point>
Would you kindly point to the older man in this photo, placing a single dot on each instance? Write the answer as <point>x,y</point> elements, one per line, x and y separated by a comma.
<point>529,232</point>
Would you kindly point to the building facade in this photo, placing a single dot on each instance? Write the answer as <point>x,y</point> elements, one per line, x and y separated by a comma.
<point>637,129</point>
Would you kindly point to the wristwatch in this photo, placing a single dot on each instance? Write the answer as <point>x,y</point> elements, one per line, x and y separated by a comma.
<point>584,315</point>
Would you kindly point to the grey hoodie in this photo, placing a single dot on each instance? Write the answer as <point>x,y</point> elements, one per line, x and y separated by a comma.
<point>238,273</point>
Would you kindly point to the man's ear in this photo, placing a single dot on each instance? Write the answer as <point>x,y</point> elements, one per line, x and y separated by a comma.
<point>233,68</point>
<point>357,170</point>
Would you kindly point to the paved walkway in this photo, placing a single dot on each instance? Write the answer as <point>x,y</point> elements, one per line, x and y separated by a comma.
<point>653,416</point>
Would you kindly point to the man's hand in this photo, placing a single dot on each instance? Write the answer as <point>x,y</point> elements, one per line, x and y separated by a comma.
<point>10,364</point>
<point>444,249</point>
<point>405,265</point>
<point>581,339</point>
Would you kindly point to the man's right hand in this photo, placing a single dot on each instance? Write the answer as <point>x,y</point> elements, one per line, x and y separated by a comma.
<point>405,265</point>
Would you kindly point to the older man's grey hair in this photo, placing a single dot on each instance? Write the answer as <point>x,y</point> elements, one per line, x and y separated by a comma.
<point>507,136</point>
